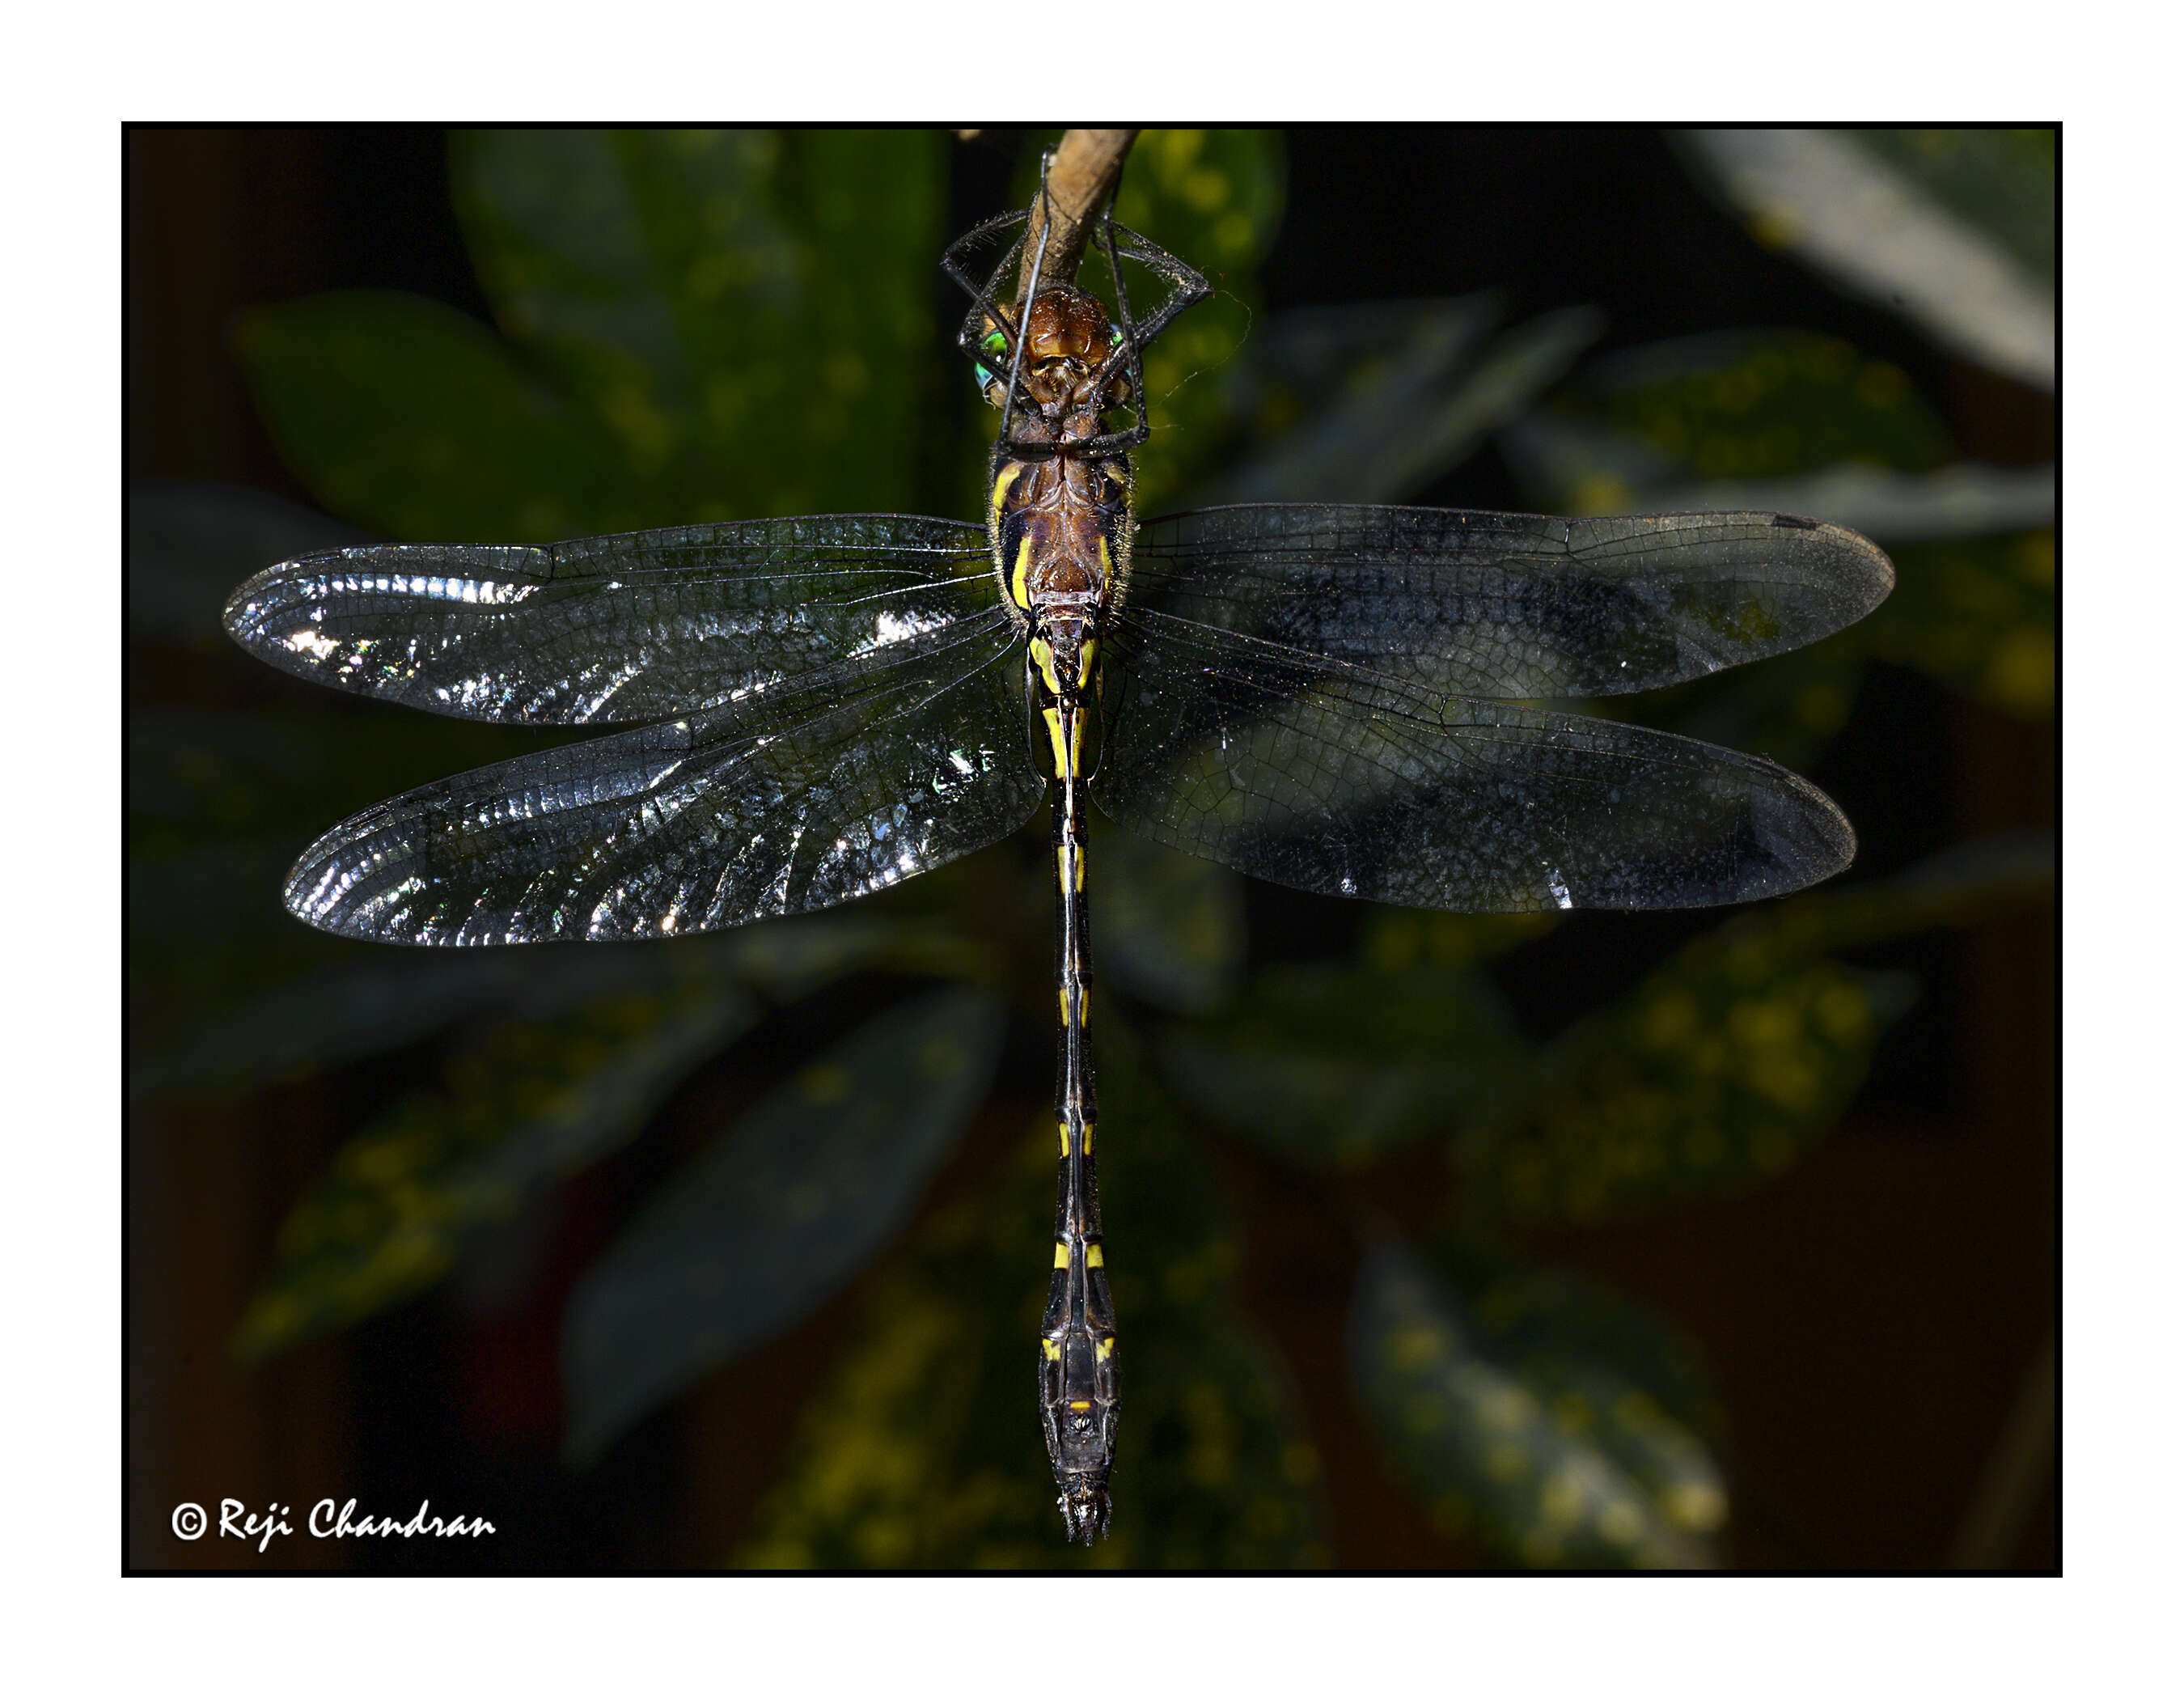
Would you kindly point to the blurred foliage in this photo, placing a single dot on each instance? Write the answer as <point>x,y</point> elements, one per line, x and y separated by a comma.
<point>532,1101</point>
<point>1171,925</point>
<point>1719,1069</point>
<point>921,1450</point>
<point>779,1213</point>
<point>1744,405</point>
<point>2002,181</point>
<point>1338,1063</point>
<point>1792,423</point>
<point>1372,403</point>
<point>1954,229</point>
<point>1545,1421</point>
<point>694,326</point>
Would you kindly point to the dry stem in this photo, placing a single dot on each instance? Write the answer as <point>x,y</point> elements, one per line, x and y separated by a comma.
<point>1087,166</point>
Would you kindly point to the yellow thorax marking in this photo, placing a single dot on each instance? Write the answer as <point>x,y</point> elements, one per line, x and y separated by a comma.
<point>1019,583</point>
<point>1103,1350</point>
<point>1053,1350</point>
<point>1042,653</point>
<point>1001,485</point>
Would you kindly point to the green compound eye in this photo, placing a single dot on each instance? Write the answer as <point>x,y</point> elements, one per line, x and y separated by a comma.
<point>997,344</point>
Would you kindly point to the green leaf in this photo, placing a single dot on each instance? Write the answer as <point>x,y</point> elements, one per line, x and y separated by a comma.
<point>1554,1424</point>
<point>1336,1065</point>
<point>746,313</point>
<point>530,1103</point>
<point>408,417</point>
<point>923,1450</point>
<point>1903,223</point>
<point>704,326</point>
<point>1729,1062</point>
<point>1979,613</point>
<point>2002,181</point>
<point>1722,1069</point>
<point>782,1211</point>
<point>1727,405</point>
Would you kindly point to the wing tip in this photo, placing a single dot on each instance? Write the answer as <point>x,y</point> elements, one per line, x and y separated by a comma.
<point>344,886</point>
<point>1862,574</point>
<point>1804,838</point>
<point>238,616</point>
<point>268,592</point>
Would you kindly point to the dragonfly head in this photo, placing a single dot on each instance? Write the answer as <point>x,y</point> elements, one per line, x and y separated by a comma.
<point>1068,340</point>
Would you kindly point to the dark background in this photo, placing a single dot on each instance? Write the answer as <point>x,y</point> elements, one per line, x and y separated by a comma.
<point>1873,1319</point>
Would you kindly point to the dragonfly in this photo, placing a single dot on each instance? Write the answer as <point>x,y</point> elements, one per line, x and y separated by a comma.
<point>1354,700</point>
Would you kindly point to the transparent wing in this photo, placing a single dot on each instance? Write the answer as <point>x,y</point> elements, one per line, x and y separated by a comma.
<point>849,779</point>
<point>1511,604</point>
<point>1327,776</point>
<point>626,628</point>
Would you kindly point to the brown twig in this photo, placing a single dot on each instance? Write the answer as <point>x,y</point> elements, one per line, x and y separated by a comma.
<point>1087,166</point>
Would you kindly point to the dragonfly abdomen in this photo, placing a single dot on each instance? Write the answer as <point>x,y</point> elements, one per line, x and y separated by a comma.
<point>1078,1385</point>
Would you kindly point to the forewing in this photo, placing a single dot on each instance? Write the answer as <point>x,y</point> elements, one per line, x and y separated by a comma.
<point>792,798</point>
<point>1327,776</point>
<point>1511,604</point>
<point>607,629</point>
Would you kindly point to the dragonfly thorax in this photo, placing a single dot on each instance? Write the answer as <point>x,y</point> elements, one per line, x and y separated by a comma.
<point>1061,524</point>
